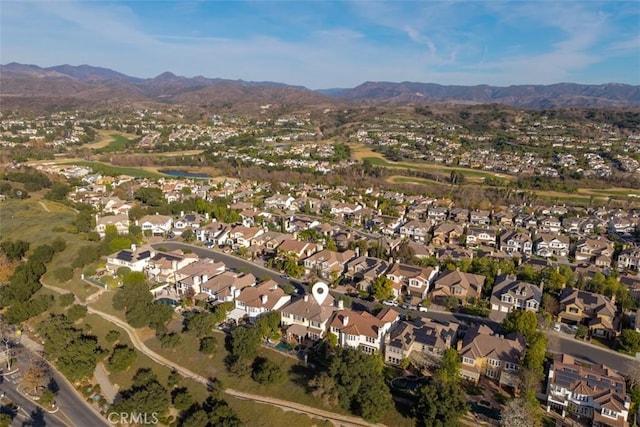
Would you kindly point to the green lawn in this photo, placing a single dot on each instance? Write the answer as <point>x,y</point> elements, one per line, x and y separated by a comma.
<point>118,143</point>
<point>474,174</point>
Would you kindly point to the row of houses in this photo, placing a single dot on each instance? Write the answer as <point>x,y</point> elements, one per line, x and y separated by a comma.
<point>483,352</point>
<point>192,276</point>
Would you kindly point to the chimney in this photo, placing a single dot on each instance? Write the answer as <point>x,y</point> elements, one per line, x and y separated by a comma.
<point>306,298</point>
<point>205,278</point>
<point>196,280</point>
<point>264,298</point>
<point>340,304</point>
<point>345,320</point>
<point>181,214</point>
<point>133,247</point>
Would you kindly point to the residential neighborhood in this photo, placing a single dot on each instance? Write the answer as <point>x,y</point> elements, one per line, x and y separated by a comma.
<point>412,277</point>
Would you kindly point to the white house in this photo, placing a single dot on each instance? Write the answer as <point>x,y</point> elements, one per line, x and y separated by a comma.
<point>263,298</point>
<point>359,329</point>
<point>136,259</point>
<point>158,225</point>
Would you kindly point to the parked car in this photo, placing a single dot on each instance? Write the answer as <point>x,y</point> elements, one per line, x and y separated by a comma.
<point>423,308</point>
<point>390,303</point>
<point>556,327</point>
<point>208,245</point>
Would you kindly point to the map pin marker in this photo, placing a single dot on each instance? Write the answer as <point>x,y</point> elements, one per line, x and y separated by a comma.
<point>320,291</point>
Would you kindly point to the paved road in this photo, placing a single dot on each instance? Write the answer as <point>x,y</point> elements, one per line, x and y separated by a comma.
<point>563,343</point>
<point>73,410</point>
<point>28,413</point>
<point>558,342</point>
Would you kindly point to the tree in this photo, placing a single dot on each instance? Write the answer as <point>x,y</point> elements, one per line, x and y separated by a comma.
<point>630,340</point>
<point>524,322</point>
<point>76,312</point>
<point>47,397</point>
<point>519,413</point>
<point>200,324</point>
<point>146,395</point>
<point>182,399</point>
<point>268,324</point>
<point>5,420</point>
<point>122,358</point>
<point>382,288</point>
<point>208,345</point>
<point>266,371</point>
<point>440,404</point>
<point>14,250</point>
<point>34,377</point>
<point>550,304</point>
<point>355,380</point>
<point>80,358</point>
<point>536,353</point>
<point>582,331</point>
<point>449,369</point>
<point>189,235</point>
<point>244,343</point>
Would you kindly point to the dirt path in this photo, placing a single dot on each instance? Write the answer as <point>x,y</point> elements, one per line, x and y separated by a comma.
<point>44,206</point>
<point>106,387</point>
<point>336,419</point>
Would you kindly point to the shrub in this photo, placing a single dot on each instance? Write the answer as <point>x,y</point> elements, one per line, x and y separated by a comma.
<point>63,274</point>
<point>76,312</point>
<point>112,336</point>
<point>121,358</point>
<point>66,300</point>
<point>266,371</point>
<point>208,345</point>
<point>170,340</point>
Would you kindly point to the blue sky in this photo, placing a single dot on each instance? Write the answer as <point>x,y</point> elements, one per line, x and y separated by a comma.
<point>324,44</point>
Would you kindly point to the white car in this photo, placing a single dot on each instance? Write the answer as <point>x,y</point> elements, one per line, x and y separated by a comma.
<point>390,303</point>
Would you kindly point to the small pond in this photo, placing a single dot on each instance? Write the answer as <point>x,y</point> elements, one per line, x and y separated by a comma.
<point>184,174</point>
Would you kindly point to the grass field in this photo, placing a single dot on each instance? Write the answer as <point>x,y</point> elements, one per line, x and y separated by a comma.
<point>100,327</point>
<point>111,140</point>
<point>256,414</point>
<point>294,389</point>
<point>117,143</point>
<point>104,303</point>
<point>41,222</point>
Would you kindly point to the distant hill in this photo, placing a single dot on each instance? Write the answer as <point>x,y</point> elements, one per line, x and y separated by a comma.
<point>40,88</point>
<point>523,96</point>
<point>37,88</point>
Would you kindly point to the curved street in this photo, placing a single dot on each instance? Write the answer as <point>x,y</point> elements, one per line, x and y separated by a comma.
<point>558,342</point>
<point>343,420</point>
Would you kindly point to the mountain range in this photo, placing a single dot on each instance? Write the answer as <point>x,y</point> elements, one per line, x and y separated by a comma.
<point>38,88</point>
